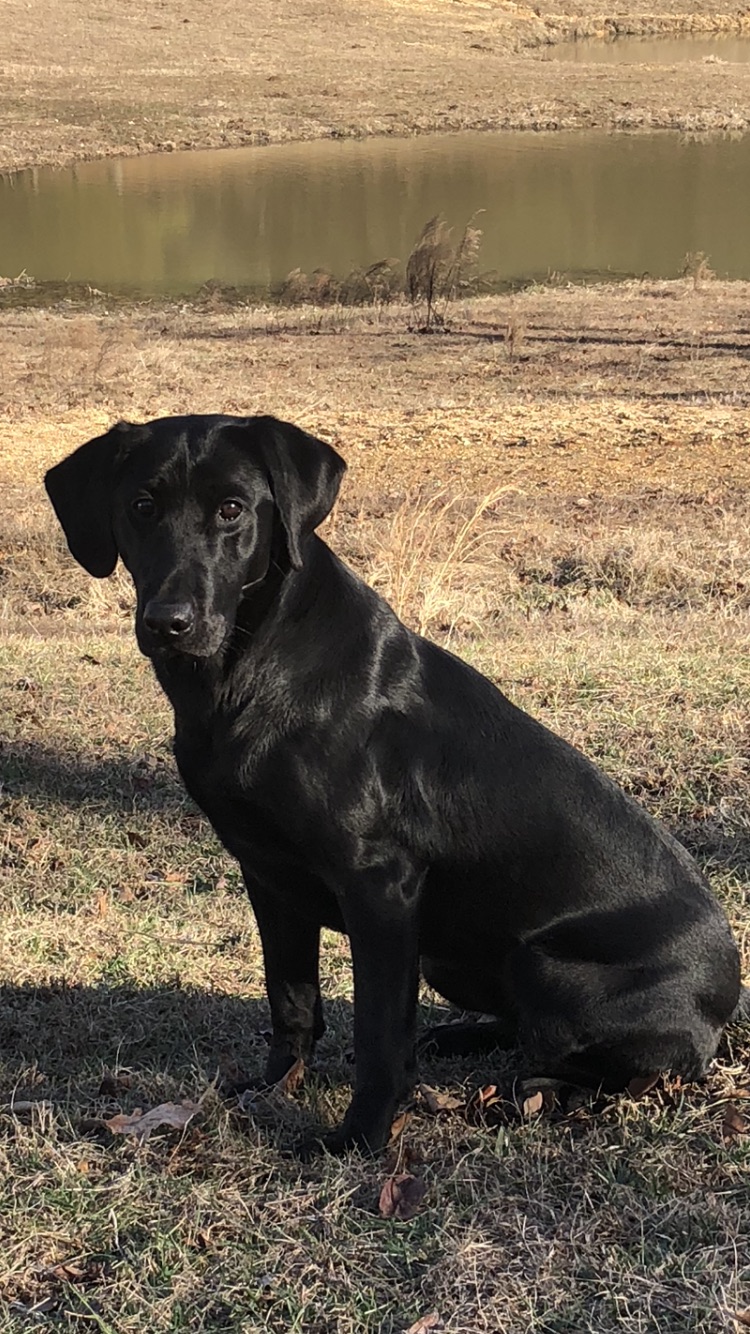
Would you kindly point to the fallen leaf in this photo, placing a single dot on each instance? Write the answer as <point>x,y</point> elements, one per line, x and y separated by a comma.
<point>290,1082</point>
<point>642,1084</point>
<point>399,1125</point>
<point>68,1272</point>
<point>425,1322</point>
<point>734,1124</point>
<point>741,1317</point>
<point>486,1101</point>
<point>270,1100</point>
<point>550,1100</point>
<point>436,1102</point>
<point>401,1196</point>
<point>141,1124</point>
<point>488,1096</point>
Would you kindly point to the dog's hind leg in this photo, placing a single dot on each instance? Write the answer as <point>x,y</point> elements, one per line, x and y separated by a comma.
<point>601,1026</point>
<point>470,990</point>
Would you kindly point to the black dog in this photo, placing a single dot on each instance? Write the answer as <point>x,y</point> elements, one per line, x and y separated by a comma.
<point>371,782</point>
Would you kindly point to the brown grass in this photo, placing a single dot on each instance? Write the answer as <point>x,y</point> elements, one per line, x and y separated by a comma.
<point>572,519</point>
<point>91,78</point>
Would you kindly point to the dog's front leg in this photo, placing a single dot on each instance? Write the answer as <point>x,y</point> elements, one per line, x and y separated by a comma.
<point>291,947</point>
<point>380,908</point>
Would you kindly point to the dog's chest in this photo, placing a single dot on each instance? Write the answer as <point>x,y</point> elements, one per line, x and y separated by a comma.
<point>239,780</point>
<point>217,765</point>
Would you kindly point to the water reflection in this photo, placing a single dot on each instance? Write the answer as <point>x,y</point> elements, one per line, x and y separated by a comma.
<point>576,203</point>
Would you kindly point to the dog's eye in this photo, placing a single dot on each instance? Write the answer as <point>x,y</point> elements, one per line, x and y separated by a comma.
<point>144,507</point>
<point>229,510</point>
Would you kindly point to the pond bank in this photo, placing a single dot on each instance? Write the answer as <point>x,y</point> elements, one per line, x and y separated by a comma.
<point>221,77</point>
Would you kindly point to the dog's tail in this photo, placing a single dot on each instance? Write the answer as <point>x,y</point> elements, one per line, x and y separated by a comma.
<point>741,1012</point>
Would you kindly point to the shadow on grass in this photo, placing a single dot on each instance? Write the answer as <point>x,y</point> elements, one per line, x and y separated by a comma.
<point>717,850</point>
<point>60,1029</point>
<point>117,783</point>
<point>58,1039</point>
<point>83,1049</point>
<point>79,1046</point>
<point>89,1051</point>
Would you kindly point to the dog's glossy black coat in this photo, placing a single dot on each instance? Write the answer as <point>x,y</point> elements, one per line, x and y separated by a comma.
<point>371,782</point>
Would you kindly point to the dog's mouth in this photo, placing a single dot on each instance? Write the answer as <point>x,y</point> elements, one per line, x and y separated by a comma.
<point>198,639</point>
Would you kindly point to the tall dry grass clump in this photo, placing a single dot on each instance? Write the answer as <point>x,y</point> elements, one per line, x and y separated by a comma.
<point>438,269</point>
<point>437,563</point>
<point>377,285</point>
<point>697,267</point>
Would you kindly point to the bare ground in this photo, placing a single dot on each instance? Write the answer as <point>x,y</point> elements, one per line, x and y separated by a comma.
<point>557,488</point>
<point>90,78</point>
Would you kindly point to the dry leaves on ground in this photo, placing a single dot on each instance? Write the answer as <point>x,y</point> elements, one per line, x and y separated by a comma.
<point>734,1124</point>
<point>426,1322</point>
<point>292,1080</point>
<point>142,1124</point>
<point>435,1101</point>
<point>401,1196</point>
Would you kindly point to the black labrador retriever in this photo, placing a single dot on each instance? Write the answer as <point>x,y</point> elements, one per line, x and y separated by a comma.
<point>371,782</point>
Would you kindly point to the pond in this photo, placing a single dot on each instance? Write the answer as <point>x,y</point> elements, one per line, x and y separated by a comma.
<point>652,50</point>
<point>585,204</point>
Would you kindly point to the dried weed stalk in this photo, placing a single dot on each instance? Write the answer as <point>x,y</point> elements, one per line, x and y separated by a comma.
<point>435,558</point>
<point>438,270</point>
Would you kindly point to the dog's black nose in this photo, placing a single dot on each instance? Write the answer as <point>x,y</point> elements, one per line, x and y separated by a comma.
<point>170,619</point>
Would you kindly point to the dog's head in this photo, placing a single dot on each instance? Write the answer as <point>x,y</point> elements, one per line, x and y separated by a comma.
<point>197,508</point>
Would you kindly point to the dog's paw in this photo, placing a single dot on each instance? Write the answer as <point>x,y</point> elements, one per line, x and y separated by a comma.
<point>313,1145</point>
<point>338,1142</point>
<point>467,1039</point>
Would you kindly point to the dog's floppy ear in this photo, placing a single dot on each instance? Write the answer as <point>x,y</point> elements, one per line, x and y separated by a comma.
<point>80,489</point>
<point>304,473</point>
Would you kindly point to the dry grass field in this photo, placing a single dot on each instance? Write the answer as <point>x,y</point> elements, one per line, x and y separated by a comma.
<point>89,78</point>
<point>557,488</point>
